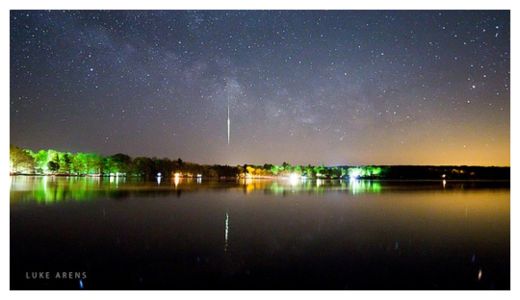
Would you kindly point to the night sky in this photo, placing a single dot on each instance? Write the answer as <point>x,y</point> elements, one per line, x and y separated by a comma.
<point>331,87</point>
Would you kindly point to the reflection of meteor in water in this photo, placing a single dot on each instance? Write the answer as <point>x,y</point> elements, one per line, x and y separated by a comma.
<point>226,230</point>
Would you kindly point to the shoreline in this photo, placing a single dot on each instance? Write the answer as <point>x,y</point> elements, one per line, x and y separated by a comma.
<point>272,178</point>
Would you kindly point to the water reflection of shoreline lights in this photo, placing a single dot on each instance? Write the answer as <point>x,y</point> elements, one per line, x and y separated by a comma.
<point>51,189</point>
<point>113,179</point>
<point>55,189</point>
<point>319,182</point>
<point>45,190</point>
<point>250,185</point>
<point>362,186</point>
<point>299,184</point>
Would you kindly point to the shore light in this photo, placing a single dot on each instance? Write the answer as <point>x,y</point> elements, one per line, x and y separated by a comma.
<point>176,179</point>
<point>293,178</point>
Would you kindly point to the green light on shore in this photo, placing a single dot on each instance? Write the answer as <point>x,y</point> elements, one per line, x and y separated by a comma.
<point>361,172</point>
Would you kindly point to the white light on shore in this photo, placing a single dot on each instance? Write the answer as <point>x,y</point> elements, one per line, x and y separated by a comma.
<point>354,174</point>
<point>293,178</point>
<point>176,179</point>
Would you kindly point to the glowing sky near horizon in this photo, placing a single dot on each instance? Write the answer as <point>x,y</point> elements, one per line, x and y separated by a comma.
<point>305,87</point>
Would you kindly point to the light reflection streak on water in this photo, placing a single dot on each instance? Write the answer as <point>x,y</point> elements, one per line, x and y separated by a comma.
<point>176,179</point>
<point>226,233</point>
<point>361,186</point>
<point>45,190</point>
<point>414,216</point>
<point>50,190</point>
<point>319,182</point>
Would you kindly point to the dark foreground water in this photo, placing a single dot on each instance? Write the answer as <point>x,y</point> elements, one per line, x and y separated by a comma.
<point>117,234</point>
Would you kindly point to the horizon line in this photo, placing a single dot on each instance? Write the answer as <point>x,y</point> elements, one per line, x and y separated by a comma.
<point>297,164</point>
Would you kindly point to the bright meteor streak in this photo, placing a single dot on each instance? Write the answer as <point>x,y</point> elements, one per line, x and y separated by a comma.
<point>228,123</point>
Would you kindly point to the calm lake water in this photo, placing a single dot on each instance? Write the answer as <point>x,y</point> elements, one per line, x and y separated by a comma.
<point>193,234</point>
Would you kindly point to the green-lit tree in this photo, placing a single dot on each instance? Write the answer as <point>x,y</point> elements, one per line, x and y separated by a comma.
<point>64,163</point>
<point>40,161</point>
<point>94,163</point>
<point>53,166</point>
<point>78,164</point>
<point>121,162</point>
<point>20,160</point>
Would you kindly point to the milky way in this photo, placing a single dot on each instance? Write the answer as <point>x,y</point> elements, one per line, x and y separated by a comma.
<point>331,87</point>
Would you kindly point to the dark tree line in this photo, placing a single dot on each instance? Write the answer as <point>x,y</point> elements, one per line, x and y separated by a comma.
<point>25,161</point>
